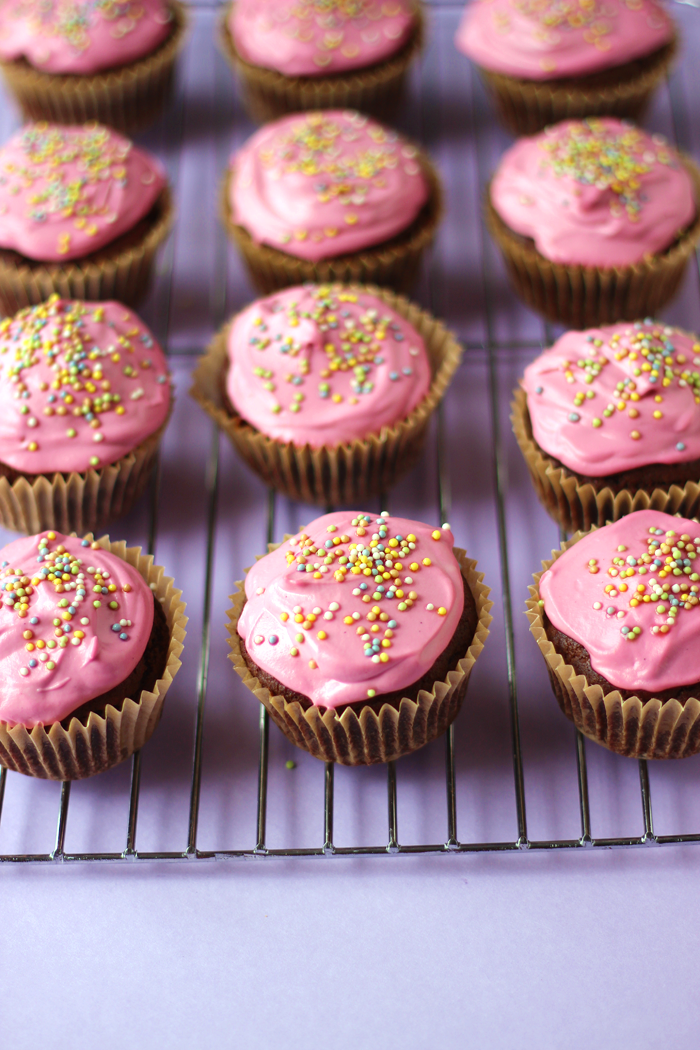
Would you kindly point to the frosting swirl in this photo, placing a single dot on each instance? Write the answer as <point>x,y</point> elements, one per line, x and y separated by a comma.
<point>328,183</point>
<point>353,606</point>
<point>598,192</point>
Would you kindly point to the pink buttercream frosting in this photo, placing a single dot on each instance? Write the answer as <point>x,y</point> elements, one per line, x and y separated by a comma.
<point>70,637</point>
<point>324,365</point>
<point>81,36</point>
<point>599,192</point>
<point>66,191</point>
<point>617,398</point>
<point>311,38</point>
<point>323,184</point>
<point>551,39</point>
<point>629,594</point>
<point>81,385</point>
<point>324,619</point>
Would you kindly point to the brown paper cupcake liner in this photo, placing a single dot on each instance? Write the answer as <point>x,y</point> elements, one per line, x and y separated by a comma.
<point>376,90</point>
<point>361,740</point>
<point>586,296</point>
<point>394,263</point>
<point>123,273</point>
<point>100,742</point>
<point>344,474</point>
<point>526,106</point>
<point>578,506</point>
<point>128,99</point>
<point>632,727</point>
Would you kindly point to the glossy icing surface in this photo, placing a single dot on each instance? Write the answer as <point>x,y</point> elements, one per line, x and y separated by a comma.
<point>548,39</point>
<point>617,398</point>
<point>81,36</point>
<point>323,184</point>
<point>307,38</point>
<point>74,622</point>
<point>353,606</point>
<point>324,365</point>
<point>594,193</point>
<point>629,594</point>
<point>66,191</point>
<point>81,385</point>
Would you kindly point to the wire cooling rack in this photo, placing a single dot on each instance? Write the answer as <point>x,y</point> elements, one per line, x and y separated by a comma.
<point>423,120</point>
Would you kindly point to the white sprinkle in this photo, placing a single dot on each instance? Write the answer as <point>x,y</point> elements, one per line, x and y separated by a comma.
<point>334,607</point>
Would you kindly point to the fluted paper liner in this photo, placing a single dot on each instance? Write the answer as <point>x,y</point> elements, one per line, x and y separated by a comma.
<point>393,263</point>
<point>124,274</point>
<point>578,506</point>
<point>632,727</point>
<point>361,740</point>
<point>528,106</point>
<point>269,94</point>
<point>128,99</point>
<point>588,296</point>
<point>102,741</point>
<point>347,473</point>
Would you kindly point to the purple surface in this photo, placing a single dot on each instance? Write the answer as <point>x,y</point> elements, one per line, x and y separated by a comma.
<point>535,950</point>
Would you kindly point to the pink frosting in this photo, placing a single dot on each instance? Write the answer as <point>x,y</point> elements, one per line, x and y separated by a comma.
<point>66,641</point>
<point>311,38</point>
<point>319,185</point>
<point>598,192</point>
<point>66,191</point>
<point>629,594</point>
<point>318,624</point>
<point>617,398</point>
<point>324,365</point>
<point>81,36</point>
<point>549,39</point>
<point>81,385</point>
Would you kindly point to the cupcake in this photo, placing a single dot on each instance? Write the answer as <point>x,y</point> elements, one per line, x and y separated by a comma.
<point>82,212</point>
<point>608,421</point>
<point>84,677</point>
<point>363,655</point>
<point>547,61</point>
<point>318,54</point>
<point>330,196</point>
<point>596,220</point>
<point>327,391</point>
<point>84,400</point>
<point>71,61</point>
<point>616,615</point>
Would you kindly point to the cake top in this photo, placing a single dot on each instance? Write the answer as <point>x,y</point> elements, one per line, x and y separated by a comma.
<point>324,365</point>
<point>68,190</point>
<point>74,622</point>
<point>323,184</point>
<point>353,606</point>
<point>598,192</point>
<point>81,385</point>
<point>550,39</point>
<point>81,36</point>
<point>629,594</point>
<point>617,398</point>
<point>311,38</point>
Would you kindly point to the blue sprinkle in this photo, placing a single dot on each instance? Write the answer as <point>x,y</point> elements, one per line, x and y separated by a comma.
<point>392,624</point>
<point>574,417</point>
<point>680,446</point>
<point>540,389</point>
<point>610,610</point>
<point>85,543</point>
<point>34,620</point>
<point>72,610</point>
<point>123,637</point>
<point>624,630</point>
<point>273,639</point>
<point>116,627</point>
<point>393,375</point>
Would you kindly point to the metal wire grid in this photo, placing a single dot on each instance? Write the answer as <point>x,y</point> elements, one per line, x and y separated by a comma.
<point>452,844</point>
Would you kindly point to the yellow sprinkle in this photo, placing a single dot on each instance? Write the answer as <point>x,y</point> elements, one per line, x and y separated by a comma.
<point>442,611</point>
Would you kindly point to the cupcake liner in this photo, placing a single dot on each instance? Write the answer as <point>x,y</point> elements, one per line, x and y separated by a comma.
<point>344,474</point>
<point>527,106</point>
<point>588,296</point>
<point>128,99</point>
<point>632,727</point>
<point>376,90</point>
<point>102,741</point>
<point>578,506</point>
<point>124,274</point>
<point>394,263</point>
<point>361,740</point>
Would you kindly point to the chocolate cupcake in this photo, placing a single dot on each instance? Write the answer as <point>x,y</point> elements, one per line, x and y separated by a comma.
<point>616,615</point>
